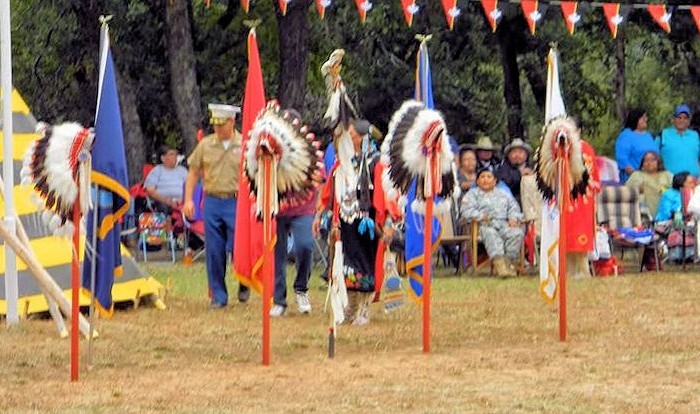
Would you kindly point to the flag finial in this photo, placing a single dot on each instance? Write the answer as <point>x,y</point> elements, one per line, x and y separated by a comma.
<point>424,37</point>
<point>104,19</point>
<point>252,23</point>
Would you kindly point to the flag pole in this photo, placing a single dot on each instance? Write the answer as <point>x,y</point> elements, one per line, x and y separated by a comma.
<point>93,270</point>
<point>563,208</point>
<point>266,269</point>
<point>427,250</point>
<point>75,288</point>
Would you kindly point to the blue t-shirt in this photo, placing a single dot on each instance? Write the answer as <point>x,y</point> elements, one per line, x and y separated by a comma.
<point>630,148</point>
<point>680,152</point>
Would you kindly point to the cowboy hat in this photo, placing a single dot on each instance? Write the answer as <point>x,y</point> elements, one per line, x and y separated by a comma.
<point>484,143</point>
<point>518,143</point>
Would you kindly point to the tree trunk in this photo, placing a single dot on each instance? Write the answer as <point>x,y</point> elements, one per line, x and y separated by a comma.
<point>135,146</point>
<point>183,72</point>
<point>511,82</point>
<point>294,51</point>
<point>620,76</point>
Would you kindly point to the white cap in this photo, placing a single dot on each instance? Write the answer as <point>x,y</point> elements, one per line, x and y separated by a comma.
<point>220,113</point>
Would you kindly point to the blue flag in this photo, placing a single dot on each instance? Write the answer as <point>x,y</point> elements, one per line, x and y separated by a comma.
<point>110,176</point>
<point>415,222</point>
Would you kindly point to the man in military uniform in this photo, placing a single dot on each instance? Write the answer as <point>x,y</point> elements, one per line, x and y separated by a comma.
<point>216,160</point>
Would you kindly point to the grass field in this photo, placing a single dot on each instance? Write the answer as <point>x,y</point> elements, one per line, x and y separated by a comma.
<point>632,348</point>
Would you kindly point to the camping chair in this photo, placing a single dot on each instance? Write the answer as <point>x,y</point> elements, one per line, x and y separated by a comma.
<point>451,238</point>
<point>153,231</point>
<point>618,208</point>
<point>194,227</point>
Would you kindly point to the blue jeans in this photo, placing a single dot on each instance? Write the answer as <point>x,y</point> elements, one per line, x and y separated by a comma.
<point>300,227</point>
<point>219,221</point>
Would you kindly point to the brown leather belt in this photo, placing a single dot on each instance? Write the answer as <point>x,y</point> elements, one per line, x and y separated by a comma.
<point>221,195</point>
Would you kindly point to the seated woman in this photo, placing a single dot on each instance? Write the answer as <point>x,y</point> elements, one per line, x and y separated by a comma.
<point>498,214</point>
<point>165,183</point>
<point>669,216</point>
<point>650,181</point>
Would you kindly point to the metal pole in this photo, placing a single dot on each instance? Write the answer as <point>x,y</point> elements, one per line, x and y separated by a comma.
<point>11,290</point>
<point>93,268</point>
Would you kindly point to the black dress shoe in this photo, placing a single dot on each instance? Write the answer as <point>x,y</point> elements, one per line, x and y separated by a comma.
<point>243,293</point>
<point>215,305</point>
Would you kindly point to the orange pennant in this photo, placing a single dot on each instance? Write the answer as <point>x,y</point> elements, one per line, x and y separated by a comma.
<point>409,9</point>
<point>661,16</point>
<point>571,17</point>
<point>451,12</point>
<point>532,14</point>
<point>612,15</point>
<point>695,11</point>
<point>283,6</point>
<point>492,12</point>
<point>321,7</point>
<point>245,5</point>
<point>363,6</point>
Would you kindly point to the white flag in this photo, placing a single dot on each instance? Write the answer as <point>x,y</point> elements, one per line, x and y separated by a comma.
<point>549,236</point>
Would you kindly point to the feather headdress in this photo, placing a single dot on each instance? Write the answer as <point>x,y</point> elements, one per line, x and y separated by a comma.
<point>58,167</point>
<point>560,139</point>
<point>296,158</point>
<point>416,146</point>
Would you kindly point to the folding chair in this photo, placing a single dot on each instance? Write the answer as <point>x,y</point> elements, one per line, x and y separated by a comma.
<point>451,238</point>
<point>153,232</point>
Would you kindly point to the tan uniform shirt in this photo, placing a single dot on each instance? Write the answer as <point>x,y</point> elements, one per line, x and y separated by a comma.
<point>218,165</point>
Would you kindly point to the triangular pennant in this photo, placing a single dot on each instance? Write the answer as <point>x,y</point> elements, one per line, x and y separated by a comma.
<point>363,6</point>
<point>571,16</point>
<point>245,5</point>
<point>409,9</point>
<point>695,11</point>
<point>613,17</point>
<point>283,6</point>
<point>493,14</point>
<point>451,12</point>
<point>532,12</point>
<point>321,6</point>
<point>661,16</point>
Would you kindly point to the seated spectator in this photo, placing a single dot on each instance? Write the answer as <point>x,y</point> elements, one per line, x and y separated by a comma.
<point>514,166</point>
<point>672,199</point>
<point>485,153</point>
<point>650,181</point>
<point>633,142</point>
<point>466,174</point>
<point>165,183</point>
<point>499,221</point>
<point>679,146</point>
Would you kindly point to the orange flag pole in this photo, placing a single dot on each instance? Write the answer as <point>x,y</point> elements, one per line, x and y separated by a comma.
<point>563,208</point>
<point>267,262</point>
<point>427,250</point>
<point>75,288</point>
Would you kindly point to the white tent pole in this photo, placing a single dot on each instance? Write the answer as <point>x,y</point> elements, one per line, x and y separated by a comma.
<point>11,291</point>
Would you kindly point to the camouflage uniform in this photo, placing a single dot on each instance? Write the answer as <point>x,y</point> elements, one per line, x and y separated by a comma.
<point>498,207</point>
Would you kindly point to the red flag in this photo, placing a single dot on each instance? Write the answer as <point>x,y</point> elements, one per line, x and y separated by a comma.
<point>571,17</point>
<point>493,14</point>
<point>612,15</point>
<point>409,9</point>
<point>248,248</point>
<point>283,6</point>
<point>363,6</point>
<point>245,5</point>
<point>695,11</point>
<point>661,16</point>
<point>532,14</point>
<point>321,7</point>
<point>451,12</point>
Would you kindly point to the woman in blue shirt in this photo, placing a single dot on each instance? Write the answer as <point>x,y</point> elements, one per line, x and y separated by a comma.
<point>671,199</point>
<point>633,142</point>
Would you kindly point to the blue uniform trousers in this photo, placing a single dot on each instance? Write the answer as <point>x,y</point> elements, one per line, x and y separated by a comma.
<point>219,221</point>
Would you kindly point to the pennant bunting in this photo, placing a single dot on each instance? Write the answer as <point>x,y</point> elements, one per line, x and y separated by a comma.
<point>245,5</point>
<point>532,14</point>
<point>321,6</point>
<point>493,14</point>
<point>283,6</point>
<point>695,11</point>
<point>249,254</point>
<point>571,17</point>
<point>363,6</point>
<point>661,16</point>
<point>451,12</point>
<point>613,16</point>
<point>409,8</point>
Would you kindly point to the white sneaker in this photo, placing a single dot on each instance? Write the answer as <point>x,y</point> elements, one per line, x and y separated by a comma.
<point>277,310</point>
<point>303,303</point>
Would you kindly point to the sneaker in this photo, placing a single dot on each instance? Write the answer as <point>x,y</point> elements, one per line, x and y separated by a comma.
<point>243,293</point>
<point>303,303</point>
<point>277,310</point>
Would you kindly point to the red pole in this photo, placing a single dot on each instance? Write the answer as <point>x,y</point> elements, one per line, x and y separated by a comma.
<point>267,285</point>
<point>75,287</point>
<point>427,253</point>
<point>563,208</point>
